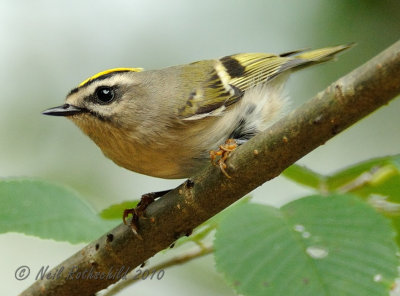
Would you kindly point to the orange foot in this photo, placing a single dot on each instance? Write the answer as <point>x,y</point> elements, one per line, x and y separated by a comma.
<point>223,151</point>
<point>138,212</point>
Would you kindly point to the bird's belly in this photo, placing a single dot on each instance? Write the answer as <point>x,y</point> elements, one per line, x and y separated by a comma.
<point>158,162</point>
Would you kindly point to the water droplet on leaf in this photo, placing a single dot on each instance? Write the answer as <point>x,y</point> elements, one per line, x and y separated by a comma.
<point>317,252</point>
<point>299,228</point>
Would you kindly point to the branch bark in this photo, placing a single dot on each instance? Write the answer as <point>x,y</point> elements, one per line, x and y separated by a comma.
<point>261,159</point>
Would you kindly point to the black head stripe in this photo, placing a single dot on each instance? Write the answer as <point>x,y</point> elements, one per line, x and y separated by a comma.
<point>102,77</point>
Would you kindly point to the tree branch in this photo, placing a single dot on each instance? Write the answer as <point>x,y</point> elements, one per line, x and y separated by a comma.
<point>264,157</point>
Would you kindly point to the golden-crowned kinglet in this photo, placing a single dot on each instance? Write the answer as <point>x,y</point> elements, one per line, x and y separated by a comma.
<point>164,123</point>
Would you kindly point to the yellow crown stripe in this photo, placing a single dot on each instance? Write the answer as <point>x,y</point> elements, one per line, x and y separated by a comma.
<point>108,72</point>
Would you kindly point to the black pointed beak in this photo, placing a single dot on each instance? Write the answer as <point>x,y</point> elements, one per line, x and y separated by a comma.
<point>64,110</point>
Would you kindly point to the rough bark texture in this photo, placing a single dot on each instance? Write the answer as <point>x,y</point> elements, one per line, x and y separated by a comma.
<point>264,157</point>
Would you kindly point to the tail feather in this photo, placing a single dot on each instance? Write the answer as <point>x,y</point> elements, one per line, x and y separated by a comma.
<point>310,57</point>
<point>323,54</point>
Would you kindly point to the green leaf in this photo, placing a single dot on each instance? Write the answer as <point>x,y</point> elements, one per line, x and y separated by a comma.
<point>377,181</point>
<point>335,245</point>
<point>304,176</point>
<point>115,211</point>
<point>48,211</point>
<point>377,176</point>
<point>203,231</point>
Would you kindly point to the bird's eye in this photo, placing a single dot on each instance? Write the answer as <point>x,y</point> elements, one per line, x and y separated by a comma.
<point>104,94</point>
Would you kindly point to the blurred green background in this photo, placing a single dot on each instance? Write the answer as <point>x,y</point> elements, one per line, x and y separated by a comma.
<point>48,47</point>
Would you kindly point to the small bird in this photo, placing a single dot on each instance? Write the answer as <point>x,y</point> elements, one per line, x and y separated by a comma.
<point>164,123</point>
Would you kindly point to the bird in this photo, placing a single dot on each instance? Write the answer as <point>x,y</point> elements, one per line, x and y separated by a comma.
<point>167,123</point>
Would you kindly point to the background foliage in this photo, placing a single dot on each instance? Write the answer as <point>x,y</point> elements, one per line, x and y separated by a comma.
<point>49,47</point>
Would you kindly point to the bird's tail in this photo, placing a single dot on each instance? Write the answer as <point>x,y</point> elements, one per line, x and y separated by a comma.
<point>322,54</point>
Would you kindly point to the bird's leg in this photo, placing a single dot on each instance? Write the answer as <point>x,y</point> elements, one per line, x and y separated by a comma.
<point>223,151</point>
<point>138,212</point>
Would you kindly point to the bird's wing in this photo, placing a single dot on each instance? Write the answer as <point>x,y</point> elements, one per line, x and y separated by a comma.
<point>231,76</point>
